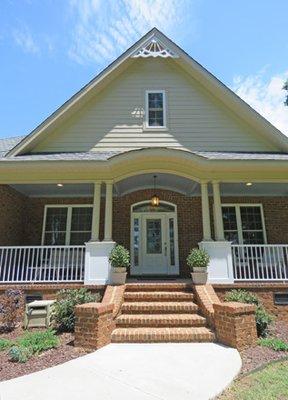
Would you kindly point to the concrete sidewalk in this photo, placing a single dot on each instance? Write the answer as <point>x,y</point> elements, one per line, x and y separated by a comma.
<point>168,371</point>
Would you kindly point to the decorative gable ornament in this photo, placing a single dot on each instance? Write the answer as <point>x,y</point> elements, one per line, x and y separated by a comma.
<point>154,48</point>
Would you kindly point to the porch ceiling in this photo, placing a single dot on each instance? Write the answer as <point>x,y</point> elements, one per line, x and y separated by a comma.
<point>145,181</point>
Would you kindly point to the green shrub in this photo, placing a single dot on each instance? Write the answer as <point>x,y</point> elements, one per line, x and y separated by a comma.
<point>242,296</point>
<point>198,258</point>
<point>274,343</point>
<point>39,341</point>
<point>119,257</point>
<point>20,354</point>
<point>5,344</point>
<point>263,318</point>
<point>63,314</point>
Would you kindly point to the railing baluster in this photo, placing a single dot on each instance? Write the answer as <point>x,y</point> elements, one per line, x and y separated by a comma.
<point>25,264</point>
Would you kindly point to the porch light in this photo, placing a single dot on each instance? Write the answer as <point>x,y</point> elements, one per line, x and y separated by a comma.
<point>155,199</point>
<point>60,184</point>
<point>249,184</point>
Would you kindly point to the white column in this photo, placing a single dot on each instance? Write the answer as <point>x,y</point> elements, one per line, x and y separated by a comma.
<point>218,221</point>
<point>205,212</point>
<point>108,212</point>
<point>96,212</point>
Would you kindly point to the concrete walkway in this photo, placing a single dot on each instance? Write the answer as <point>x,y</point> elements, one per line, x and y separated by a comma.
<point>196,371</point>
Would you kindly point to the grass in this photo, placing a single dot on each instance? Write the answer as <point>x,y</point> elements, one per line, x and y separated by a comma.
<point>274,343</point>
<point>269,383</point>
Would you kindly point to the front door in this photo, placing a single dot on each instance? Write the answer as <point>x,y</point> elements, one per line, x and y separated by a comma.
<point>154,240</point>
<point>154,245</point>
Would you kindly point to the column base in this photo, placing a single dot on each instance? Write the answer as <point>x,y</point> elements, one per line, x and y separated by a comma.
<point>97,268</point>
<point>220,268</point>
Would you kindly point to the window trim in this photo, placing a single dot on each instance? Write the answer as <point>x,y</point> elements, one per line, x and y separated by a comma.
<point>68,222</point>
<point>238,218</point>
<point>146,122</point>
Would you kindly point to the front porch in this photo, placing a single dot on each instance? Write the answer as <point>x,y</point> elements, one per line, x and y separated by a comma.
<point>63,233</point>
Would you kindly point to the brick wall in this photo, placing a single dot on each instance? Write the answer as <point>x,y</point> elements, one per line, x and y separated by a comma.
<point>93,325</point>
<point>264,291</point>
<point>235,324</point>
<point>12,216</point>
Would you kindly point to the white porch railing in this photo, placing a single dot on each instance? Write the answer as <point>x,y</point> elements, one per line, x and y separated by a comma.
<point>260,262</point>
<point>29,264</point>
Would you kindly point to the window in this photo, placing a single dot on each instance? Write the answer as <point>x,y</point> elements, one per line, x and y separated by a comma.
<point>155,109</point>
<point>67,225</point>
<point>243,223</point>
<point>281,298</point>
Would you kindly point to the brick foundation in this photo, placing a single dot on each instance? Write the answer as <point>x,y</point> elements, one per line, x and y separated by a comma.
<point>114,295</point>
<point>94,325</point>
<point>265,293</point>
<point>235,324</point>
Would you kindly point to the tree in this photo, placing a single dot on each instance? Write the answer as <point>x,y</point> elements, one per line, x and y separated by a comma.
<point>285,87</point>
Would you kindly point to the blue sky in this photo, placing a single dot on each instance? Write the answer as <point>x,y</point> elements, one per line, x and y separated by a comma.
<point>50,48</point>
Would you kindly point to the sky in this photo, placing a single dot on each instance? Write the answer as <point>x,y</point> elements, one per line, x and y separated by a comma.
<point>49,49</point>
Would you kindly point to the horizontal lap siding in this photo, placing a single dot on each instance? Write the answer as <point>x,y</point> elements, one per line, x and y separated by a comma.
<point>113,120</point>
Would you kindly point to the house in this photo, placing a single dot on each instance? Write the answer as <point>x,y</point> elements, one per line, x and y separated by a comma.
<point>153,126</point>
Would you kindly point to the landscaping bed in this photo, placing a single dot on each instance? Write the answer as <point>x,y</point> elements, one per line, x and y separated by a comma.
<point>65,351</point>
<point>255,357</point>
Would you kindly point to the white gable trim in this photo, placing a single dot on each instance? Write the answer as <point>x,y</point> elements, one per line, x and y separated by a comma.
<point>208,80</point>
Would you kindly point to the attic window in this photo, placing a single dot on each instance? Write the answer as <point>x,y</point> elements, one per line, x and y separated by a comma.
<point>155,109</point>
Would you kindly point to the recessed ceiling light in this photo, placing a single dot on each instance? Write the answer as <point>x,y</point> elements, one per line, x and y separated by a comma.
<point>249,184</point>
<point>59,184</point>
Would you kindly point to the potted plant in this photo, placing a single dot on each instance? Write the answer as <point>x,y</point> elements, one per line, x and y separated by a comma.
<point>198,261</point>
<point>120,260</point>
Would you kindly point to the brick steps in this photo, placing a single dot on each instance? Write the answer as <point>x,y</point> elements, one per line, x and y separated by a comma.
<point>159,320</point>
<point>157,335</point>
<point>151,307</point>
<point>163,286</point>
<point>158,296</point>
<point>160,312</point>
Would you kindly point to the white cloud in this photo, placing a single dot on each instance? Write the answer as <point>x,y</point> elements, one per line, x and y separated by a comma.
<point>266,95</point>
<point>105,28</point>
<point>23,38</point>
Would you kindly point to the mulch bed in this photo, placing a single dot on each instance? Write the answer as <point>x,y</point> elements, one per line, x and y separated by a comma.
<point>64,352</point>
<point>257,356</point>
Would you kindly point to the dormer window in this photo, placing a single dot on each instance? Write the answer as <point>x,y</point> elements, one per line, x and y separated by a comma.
<point>155,109</point>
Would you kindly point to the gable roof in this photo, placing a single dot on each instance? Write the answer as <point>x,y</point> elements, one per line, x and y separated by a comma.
<point>166,48</point>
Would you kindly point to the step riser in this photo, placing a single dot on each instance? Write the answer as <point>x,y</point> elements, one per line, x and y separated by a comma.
<point>160,309</point>
<point>158,296</point>
<point>150,338</point>
<point>162,324</point>
<point>158,287</point>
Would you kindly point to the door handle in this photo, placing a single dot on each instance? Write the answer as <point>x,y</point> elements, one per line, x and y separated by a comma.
<point>165,249</point>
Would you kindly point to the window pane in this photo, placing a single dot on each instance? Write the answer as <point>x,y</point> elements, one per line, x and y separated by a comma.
<point>54,238</point>
<point>81,219</point>
<point>253,237</point>
<point>153,236</point>
<point>147,207</point>
<point>231,236</point>
<point>155,109</point>
<point>251,218</point>
<point>229,218</point>
<point>56,219</point>
<point>79,238</point>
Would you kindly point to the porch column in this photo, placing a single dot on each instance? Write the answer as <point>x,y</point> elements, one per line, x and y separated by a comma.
<point>96,212</point>
<point>218,221</point>
<point>108,212</point>
<point>205,212</point>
